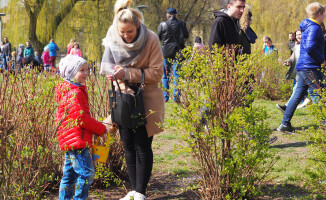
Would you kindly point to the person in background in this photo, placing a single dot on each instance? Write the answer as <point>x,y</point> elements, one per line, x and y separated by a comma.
<point>7,48</point>
<point>46,59</point>
<point>20,56</point>
<point>292,72</point>
<point>247,35</point>
<point>172,33</point>
<point>76,128</point>
<point>70,45</point>
<point>13,61</point>
<point>265,40</point>
<point>53,52</point>
<point>292,42</point>
<point>198,44</point>
<point>3,57</point>
<point>76,50</point>
<point>130,48</point>
<point>225,29</point>
<point>6,51</point>
<point>309,62</point>
<point>269,47</point>
<point>38,58</point>
<point>29,51</point>
<point>251,33</point>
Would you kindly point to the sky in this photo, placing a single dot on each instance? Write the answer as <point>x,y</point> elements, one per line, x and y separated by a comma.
<point>3,3</point>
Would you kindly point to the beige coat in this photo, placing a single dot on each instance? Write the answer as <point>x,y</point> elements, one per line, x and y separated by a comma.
<point>151,60</point>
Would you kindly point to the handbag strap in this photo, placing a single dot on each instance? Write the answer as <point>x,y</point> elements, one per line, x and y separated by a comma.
<point>116,80</point>
<point>142,77</point>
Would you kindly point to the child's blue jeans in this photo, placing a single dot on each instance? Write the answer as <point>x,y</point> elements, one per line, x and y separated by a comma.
<point>78,169</point>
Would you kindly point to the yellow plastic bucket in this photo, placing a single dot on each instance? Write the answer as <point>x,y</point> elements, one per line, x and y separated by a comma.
<point>101,153</point>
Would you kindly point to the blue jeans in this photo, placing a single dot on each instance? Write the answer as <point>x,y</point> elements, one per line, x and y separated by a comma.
<point>307,79</point>
<point>166,78</point>
<point>78,169</point>
<point>310,92</point>
<point>4,62</point>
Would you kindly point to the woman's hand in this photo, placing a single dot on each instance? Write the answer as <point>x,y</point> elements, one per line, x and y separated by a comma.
<point>287,63</point>
<point>119,73</point>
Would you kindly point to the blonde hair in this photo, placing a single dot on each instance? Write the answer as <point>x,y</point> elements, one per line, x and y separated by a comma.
<point>125,14</point>
<point>314,9</point>
<point>265,38</point>
<point>244,20</point>
<point>72,41</point>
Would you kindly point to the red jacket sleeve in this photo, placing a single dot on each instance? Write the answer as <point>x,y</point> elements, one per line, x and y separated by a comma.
<point>81,112</point>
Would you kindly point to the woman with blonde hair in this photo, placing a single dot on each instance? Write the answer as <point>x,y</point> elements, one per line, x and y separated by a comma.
<point>70,45</point>
<point>131,48</point>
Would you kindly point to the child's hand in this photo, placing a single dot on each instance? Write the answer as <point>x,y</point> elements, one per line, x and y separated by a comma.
<point>110,77</point>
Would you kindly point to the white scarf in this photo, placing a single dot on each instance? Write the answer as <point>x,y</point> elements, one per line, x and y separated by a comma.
<point>118,52</point>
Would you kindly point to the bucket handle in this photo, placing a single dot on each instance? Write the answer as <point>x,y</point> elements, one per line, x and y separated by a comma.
<point>107,140</point>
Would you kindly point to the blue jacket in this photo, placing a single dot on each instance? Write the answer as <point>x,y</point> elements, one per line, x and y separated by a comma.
<point>312,46</point>
<point>53,49</point>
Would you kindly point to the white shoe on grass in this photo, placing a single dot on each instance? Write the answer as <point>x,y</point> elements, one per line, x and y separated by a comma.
<point>129,196</point>
<point>305,102</point>
<point>139,196</point>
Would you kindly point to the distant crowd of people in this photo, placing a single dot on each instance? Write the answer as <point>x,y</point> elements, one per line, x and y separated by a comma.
<point>27,57</point>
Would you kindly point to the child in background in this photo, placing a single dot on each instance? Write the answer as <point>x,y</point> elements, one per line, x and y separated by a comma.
<point>46,59</point>
<point>199,45</point>
<point>37,58</point>
<point>76,50</point>
<point>75,128</point>
<point>265,40</point>
<point>13,60</point>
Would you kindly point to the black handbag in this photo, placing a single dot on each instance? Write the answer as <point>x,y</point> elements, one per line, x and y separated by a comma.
<point>128,110</point>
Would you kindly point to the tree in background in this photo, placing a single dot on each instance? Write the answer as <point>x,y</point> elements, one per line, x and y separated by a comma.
<point>88,20</point>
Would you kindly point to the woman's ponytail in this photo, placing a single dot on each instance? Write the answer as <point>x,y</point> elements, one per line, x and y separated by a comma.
<point>125,14</point>
<point>120,5</point>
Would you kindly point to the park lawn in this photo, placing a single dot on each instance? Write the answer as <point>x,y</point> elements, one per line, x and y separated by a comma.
<point>285,180</point>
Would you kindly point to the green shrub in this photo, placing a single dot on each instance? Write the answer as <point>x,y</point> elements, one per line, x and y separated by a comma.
<point>232,151</point>
<point>271,77</point>
<point>316,137</point>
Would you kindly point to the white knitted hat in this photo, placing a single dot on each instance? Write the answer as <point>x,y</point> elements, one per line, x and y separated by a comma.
<point>70,65</point>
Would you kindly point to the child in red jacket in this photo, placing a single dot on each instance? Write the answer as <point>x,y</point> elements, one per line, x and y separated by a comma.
<point>75,128</point>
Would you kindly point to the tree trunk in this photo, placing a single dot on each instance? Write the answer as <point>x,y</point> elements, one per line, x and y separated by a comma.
<point>32,32</point>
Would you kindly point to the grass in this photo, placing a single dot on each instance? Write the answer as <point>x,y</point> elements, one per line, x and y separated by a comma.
<point>286,178</point>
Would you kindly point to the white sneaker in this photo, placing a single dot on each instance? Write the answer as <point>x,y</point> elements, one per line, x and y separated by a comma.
<point>305,102</point>
<point>139,196</point>
<point>129,195</point>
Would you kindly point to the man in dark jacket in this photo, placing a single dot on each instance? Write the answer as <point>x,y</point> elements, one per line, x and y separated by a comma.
<point>225,29</point>
<point>172,33</point>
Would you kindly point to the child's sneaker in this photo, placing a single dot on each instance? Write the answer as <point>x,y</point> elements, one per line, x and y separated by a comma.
<point>129,196</point>
<point>139,196</point>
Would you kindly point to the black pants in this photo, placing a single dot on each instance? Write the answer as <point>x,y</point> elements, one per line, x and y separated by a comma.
<point>139,156</point>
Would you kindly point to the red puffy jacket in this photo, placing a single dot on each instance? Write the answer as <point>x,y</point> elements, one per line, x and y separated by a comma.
<point>76,126</point>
